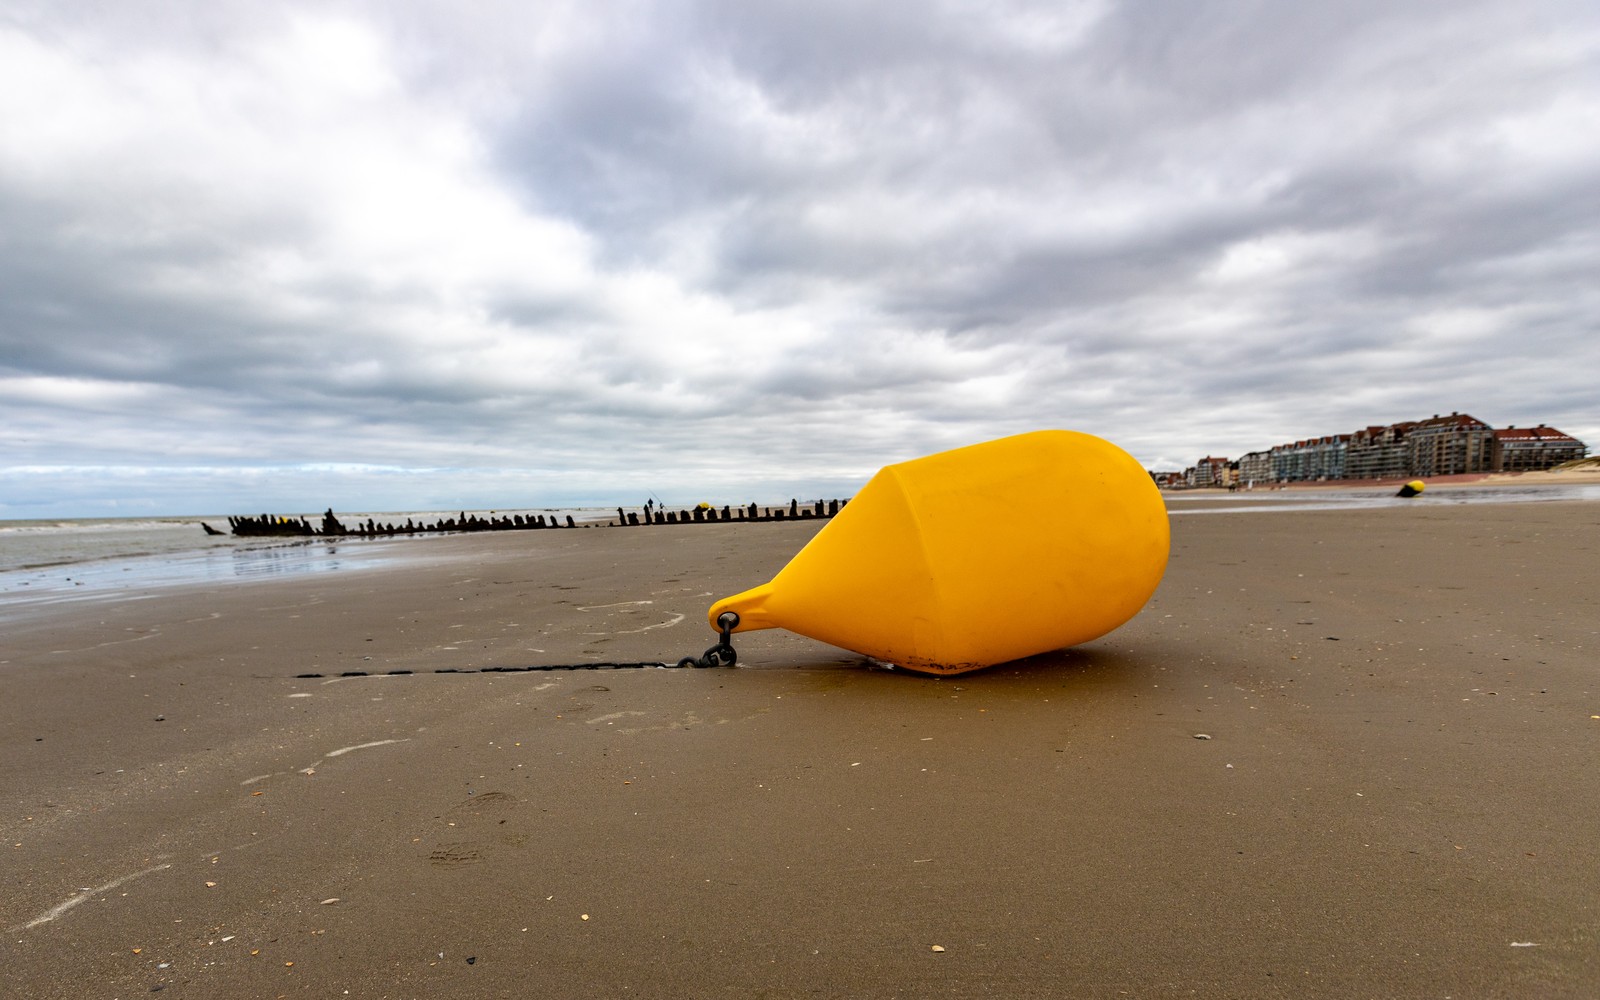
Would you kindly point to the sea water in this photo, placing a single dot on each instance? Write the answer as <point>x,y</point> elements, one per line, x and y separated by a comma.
<point>45,562</point>
<point>26,545</point>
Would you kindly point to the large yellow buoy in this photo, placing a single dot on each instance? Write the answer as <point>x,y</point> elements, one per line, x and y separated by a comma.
<point>976,556</point>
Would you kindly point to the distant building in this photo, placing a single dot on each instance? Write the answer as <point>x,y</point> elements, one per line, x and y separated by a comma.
<point>1529,449</point>
<point>1379,452</point>
<point>1456,445</point>
<point>1449,446</point>
<point>1310,460</point>
<point>1170,480</point>
<point>1438,446</point>
<point>1211,471</point>
<point>1255,467</point>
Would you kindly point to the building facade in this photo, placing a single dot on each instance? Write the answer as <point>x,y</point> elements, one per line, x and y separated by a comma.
<point>1211,471</point>
<point>1311,459</point>
<point>1449,446</point>
<point>1533,449</point>
<point>1379,452</point>
<point>1255,467</point>
<point>1458,444</point>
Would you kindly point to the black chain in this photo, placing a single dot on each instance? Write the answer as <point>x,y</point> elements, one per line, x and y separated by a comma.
<point>720,655</point>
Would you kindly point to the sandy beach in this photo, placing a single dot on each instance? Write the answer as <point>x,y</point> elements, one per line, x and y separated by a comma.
<point>1342,753</point>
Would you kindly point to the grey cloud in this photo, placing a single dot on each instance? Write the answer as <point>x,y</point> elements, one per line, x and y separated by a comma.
<point>827,235</point>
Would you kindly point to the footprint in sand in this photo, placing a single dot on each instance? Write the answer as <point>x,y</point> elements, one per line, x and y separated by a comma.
<point>457,855</point>
<point>487,815</point>
<point>486,804</point>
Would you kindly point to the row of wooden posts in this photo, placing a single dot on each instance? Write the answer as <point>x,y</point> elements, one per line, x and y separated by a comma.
<point>705,513</point>
<point>275,526</point>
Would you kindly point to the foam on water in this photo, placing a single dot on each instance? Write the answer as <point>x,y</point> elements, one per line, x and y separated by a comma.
<point>38,544</point>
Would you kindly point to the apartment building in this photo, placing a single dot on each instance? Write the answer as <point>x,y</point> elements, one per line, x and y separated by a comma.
<point>1211,471</point>
<point>1379,452</point>
<point>1437,446</point>
<point>1529,449</point>
<point>1256,467</point>
<point>1449,446</point>
<point>1311,459</point>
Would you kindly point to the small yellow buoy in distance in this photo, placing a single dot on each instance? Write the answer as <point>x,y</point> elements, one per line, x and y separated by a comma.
<point>976,556</point>
<point>1412,489</point>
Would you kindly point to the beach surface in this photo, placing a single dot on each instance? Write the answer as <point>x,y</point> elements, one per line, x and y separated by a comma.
<point>1342,753</point>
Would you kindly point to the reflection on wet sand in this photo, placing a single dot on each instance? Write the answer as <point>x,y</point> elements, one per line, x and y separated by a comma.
<point>134,577</point>
<point>1253,501</point>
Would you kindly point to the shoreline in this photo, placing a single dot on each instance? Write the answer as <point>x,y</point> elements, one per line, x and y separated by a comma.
<point>244,560</point>
<point>1340,753</point>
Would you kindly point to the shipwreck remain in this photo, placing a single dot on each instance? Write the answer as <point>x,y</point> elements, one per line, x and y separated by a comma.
<point>278,526</point>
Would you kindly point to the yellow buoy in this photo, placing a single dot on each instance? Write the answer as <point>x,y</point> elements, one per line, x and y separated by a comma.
<point>976,556</point>
<point>1411,489</point>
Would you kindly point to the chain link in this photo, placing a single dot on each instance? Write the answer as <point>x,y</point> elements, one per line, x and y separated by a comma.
<point>722,654</point>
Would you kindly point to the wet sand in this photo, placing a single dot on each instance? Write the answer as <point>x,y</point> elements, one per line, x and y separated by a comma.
<point>1340,754</point>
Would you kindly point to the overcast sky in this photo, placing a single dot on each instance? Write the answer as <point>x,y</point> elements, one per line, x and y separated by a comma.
<point>413,255</point>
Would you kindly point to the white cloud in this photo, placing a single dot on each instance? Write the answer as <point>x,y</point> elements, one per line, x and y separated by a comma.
<point>728,244</point>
